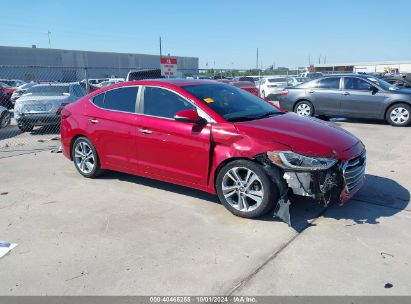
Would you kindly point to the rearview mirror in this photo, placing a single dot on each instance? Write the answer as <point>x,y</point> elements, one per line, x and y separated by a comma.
<point>190,116</point>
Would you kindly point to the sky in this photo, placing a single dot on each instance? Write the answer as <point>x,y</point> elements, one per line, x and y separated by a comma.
<point>222,33</point>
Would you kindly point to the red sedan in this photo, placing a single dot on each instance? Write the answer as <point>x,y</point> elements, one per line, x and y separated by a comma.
<point>246,86</point>
<point>213,137</point>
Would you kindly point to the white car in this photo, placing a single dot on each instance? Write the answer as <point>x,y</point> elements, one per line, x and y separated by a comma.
<point>271,87</point>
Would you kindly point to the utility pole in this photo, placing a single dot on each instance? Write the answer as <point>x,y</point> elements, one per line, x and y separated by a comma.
<point>325,59</point>
<point>161,55</point>
<point>319,59</point>
<point>48,34</point>
<point>256,66</point>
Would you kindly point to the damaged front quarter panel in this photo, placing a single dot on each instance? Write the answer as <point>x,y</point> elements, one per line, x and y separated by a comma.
<point>323,186</point>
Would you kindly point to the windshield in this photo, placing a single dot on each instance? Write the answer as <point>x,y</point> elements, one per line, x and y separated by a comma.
<point>383,84</point>
<point>232,103</point>
<point>48,90</point>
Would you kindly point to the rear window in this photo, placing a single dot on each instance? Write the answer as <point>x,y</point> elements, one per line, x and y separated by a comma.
<point>277,80</point>
<point>241,84</point>
<point>48,90</point>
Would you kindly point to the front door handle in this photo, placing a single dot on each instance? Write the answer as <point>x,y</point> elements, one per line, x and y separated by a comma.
<point>346,93</point>
<point>145,131</point>
<point>311,91</point>
<point>93,121</point>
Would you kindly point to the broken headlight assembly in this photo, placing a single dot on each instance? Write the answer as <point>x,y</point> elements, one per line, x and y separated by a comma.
<point>294,161</point>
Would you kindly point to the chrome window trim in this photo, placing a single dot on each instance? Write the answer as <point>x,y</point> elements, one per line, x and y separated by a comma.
<point>140,99</point>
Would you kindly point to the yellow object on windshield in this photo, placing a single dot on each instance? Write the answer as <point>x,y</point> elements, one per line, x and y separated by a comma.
<point>208,100</point>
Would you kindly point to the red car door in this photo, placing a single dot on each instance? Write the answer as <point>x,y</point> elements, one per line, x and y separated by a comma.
<point>112,127</point>
<point>168,149</point>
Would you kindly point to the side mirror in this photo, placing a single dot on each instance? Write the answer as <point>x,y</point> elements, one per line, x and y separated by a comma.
<point>373,89</point>
<point>189,116</point>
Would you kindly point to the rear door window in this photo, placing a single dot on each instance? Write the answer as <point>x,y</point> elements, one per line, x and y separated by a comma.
<point>329,83</point>
<point>121,99</point>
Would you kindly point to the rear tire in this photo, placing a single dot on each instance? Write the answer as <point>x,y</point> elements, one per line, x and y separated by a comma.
<point>5,119</point>
<point>245,189</point>
<point>304,108</point>
<point>25,128</point>
<point>399,115</point>
<point>85,158</point>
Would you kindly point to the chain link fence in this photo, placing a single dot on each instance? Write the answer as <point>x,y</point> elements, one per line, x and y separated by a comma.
<point>32,96</point>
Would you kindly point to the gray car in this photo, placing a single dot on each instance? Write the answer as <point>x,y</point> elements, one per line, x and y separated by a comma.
<point>41,104</point>
<point>356,96</point>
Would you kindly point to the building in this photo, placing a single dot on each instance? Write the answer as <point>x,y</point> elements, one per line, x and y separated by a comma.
<point>367,67</point>
<point>70,65</point>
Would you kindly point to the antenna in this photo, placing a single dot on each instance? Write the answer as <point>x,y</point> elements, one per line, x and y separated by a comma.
<point>49,34</point>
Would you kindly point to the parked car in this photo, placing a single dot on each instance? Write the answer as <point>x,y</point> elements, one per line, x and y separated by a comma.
<point>144,74</point>
<point>41,104</point>
<point>271,87</point>
<point>293,81</point>
<point>107,83</point>
<point>246,86</point>
<point>212,137</point>
<point>311,75</point>
<point>399,81</point>
<point>358,96</point>
<point>13,83</point>
<point>20,91</point>
<point>223,80</point>
<point>5,117</point>
<point>94,81</point>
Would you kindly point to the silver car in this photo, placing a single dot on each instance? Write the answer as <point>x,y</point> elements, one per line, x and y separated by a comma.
<point>41,104</point>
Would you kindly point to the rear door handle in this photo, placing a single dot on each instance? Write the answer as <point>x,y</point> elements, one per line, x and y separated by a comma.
<point>93,121</point>
<point>145,131</point>
<point>346,93</point>
<point>311,91</point>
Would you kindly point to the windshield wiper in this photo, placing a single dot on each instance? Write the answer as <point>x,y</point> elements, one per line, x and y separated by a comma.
<point>245,118</point>
<point>269,114</point>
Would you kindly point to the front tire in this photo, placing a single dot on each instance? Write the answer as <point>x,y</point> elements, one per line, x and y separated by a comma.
<point>398,115</point>
<point>304,108</point>
<point>245,189</point>
<point>85,158</point>
<point>5,119</point>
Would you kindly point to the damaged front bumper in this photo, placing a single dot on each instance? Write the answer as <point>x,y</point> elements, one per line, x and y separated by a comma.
<point>336,184</point>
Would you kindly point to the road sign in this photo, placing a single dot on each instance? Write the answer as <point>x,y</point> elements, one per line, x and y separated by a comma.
<point>168,66</point>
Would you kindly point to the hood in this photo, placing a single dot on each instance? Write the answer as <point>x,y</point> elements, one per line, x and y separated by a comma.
<point>51,103</point>
<point>309,136</point>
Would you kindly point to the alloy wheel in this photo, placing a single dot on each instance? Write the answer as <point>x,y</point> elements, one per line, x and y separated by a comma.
<point>303,109</point>
<point>400,115</point>
<point>84,157</point>
<point>242,189</point>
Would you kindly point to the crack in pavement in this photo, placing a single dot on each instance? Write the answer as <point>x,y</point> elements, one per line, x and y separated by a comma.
<point>246,279</point>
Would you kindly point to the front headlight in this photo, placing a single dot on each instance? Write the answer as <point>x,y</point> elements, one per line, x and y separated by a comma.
<point>294,161</point>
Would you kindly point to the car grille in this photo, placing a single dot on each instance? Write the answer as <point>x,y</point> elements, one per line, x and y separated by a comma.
<point>354,171</point>
<point>38,107</point>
